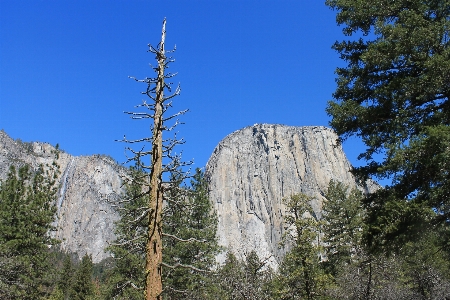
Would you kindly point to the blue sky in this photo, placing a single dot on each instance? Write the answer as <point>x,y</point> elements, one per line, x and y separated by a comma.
<point>64,68</point>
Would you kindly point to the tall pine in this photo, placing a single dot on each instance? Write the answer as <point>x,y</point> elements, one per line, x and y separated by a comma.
<point>343,225</point>
<point>190,242</point>
<point>26,214</point>
<point>393,92</point>
<point>301,275</point>
<point>127,279</point>
<point>83,286</point>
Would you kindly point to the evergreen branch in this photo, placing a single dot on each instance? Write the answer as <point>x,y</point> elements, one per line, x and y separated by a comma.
<point>175,290</point>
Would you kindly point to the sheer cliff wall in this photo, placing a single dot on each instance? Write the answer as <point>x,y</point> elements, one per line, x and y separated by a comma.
<point>249,172</point>
<point>253,169</point>
<point>85,218</point>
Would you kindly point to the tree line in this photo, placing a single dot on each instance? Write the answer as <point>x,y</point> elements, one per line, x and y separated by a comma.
<point>328,257</point>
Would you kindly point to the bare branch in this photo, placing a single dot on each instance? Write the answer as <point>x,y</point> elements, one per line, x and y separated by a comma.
<point>176,115</point>
<point>184,266</point>
<point>190,240</point>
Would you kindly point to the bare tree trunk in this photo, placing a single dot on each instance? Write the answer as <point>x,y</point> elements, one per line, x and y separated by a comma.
<point>153,286</point>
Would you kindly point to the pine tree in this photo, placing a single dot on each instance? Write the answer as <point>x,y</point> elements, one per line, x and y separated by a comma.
<point>190,241</point>
<point>127,277</point>
<point>343,225</point>
<point>415,272</point>
<point>346,254</point>
<point>64,283</point>
<point>247,279</point>
<point>301,275</point>
<point>26,216</point>
<point>82,286</point>
<point>394,94</point>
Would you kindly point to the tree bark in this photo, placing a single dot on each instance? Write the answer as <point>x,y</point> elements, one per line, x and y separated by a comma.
<point>153,286</point>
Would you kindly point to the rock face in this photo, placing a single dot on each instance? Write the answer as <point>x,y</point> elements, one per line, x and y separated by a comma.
<point>85,218</point>
<point>249,172</point>
<point>253,169</point>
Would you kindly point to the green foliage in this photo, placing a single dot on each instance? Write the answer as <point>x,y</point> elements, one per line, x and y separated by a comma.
<point>190,242</point>
<point>57,294</point>
<point>230,278</point>
<point>418,270</point>
<point>426,267</point>
<point>394,94</point>
<point>65,280</point>
<point>301,274</point>
<point>236,279</point>
<point>26,216</point>
<point>189,237</point>
<point>343,225</point>
<point>82,286</point>
<point>76,279</point>
<point>126,278</point>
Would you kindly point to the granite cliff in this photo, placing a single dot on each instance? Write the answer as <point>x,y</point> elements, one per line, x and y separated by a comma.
<point>85,219</point>
<point>253,169</point>
<point>250,171</point>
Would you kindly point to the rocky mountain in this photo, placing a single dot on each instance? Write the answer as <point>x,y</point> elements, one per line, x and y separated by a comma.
<point>85,218</point>
<point>250,172</point>
<point>253,169</point>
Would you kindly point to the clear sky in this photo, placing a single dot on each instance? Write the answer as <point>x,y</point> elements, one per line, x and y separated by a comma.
<point>64,68</point>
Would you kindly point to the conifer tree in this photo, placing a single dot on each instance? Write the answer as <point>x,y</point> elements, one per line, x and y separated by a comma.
<point>64,283</point>
<point>127,277</point>
<point>83,287</point>
<point>189,237</point>
<point>343,225</point>
<point>247,279</point>
<point>230,278</point>
<point>301,275</point>
<point>26,215</point>
<point>394,94</point>
<point>190,241</point>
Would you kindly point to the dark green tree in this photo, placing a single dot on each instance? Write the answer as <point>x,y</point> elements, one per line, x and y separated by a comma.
<point>418,271</point>
<point>247,279</point>
<point>301,275</point>
<point>230,278</point>
<point>426,267</point>
<point>126,278</point>
<point>83,286</point>
<point>343,225</point>
<point>394,94</point>
<point>189,236</point>
<point>64,283</point>
<point>347,258</point>
<point>26,216</point>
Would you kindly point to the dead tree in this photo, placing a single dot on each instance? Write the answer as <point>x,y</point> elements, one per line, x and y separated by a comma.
<point>162,161</point>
